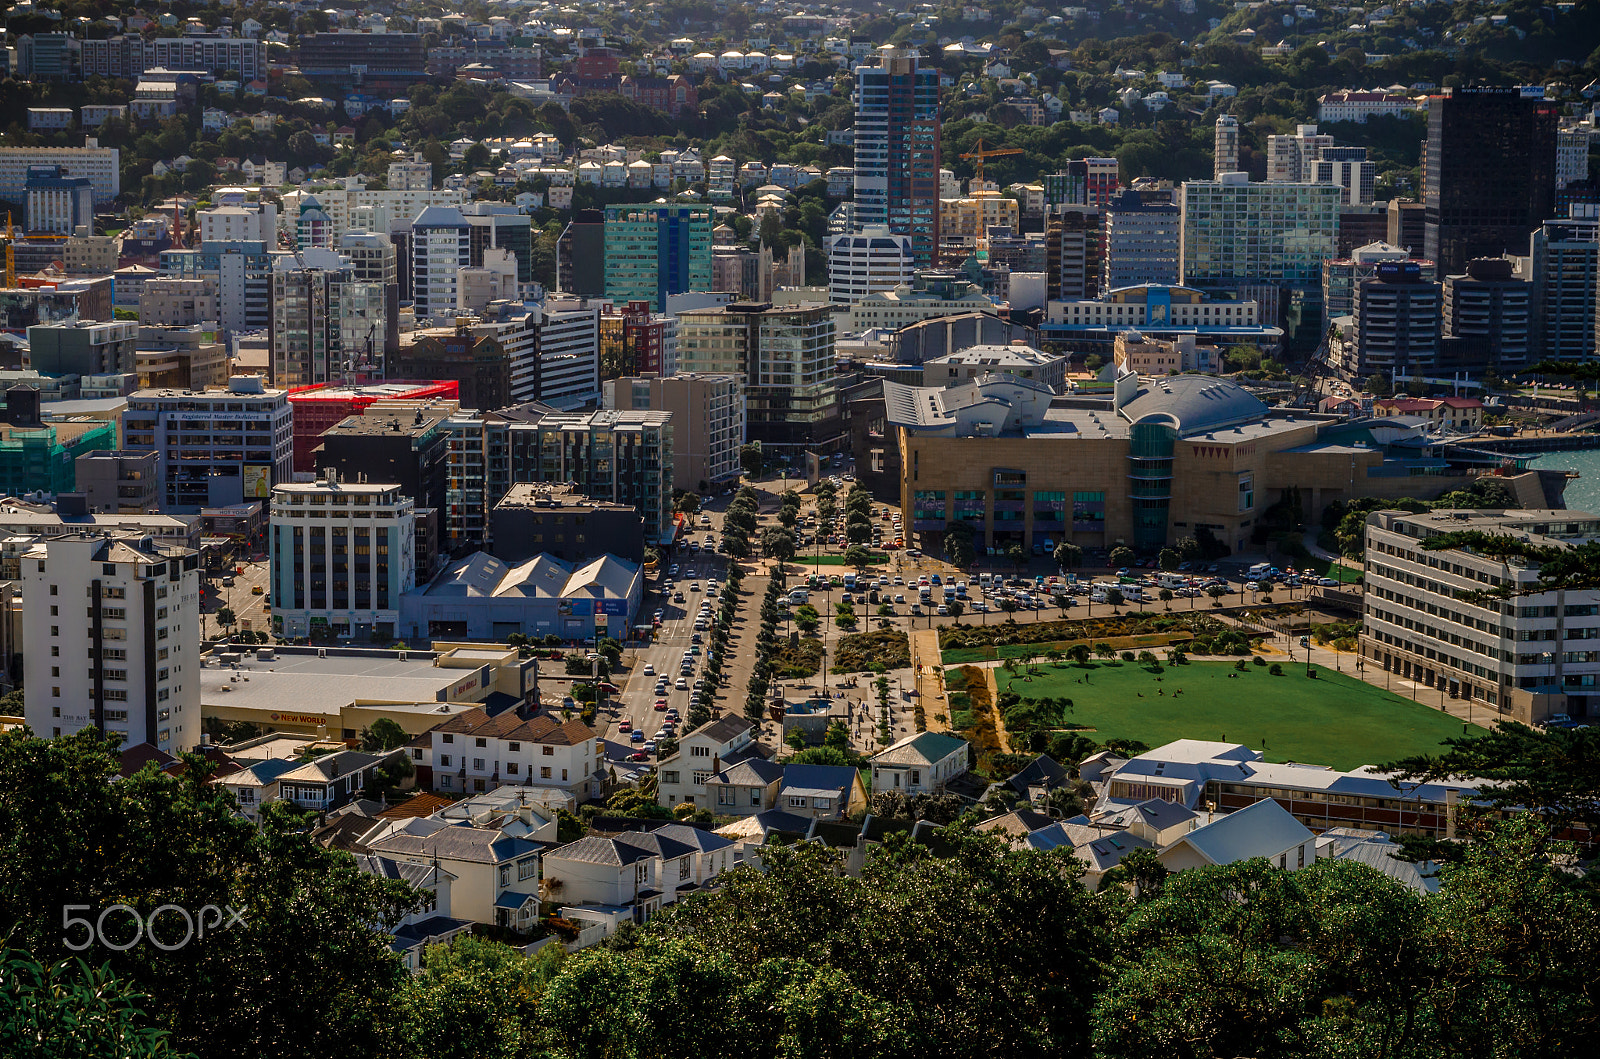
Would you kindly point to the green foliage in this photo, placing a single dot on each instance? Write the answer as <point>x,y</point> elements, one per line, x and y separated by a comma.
<point>478,998</point>
<point>72,1008</point>
<point>384,734</point>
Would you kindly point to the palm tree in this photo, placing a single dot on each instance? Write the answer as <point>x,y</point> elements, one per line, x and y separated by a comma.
<point>1105,650</point>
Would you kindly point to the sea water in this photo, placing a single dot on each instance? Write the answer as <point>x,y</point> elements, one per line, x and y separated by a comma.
<point>1583,492</point>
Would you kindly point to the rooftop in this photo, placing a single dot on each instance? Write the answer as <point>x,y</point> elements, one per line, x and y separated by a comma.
<point>307,684</point>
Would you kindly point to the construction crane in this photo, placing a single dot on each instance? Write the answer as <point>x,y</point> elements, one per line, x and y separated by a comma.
<point>11,253</point>
<point>977,157</point>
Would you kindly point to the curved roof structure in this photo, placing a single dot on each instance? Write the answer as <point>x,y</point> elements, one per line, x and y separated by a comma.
<point>1193,404</point>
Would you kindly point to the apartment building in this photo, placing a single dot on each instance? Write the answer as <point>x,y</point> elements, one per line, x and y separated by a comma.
<point>786,357</point>
<point>868,261</point>
<point>127,665</point>
<point>215,447</point>
<point>472,753</point>
<point>100,164</point>
<point>342,554</point>
<point>708,421</point>
<point>1235,231</point>
<point>440,247</point>
<point>1524,658</point>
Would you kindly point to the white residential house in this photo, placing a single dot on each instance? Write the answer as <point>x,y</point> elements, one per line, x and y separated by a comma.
<point>1264,829</point>
<point>495,875</point>
<point>702,754</point>
<point>257,785</point>
<point>635,874</point>
<point>919,764</point>
<point>332,780</point>
<point>432,923</point>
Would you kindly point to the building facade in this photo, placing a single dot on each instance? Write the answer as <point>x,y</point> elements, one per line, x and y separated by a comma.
<point>897,148</point>
<point>1142,233</point>
<point>708,421</point>
<point>216,447</point>
<point>140,635</point>
<point>653,250</point>
<point>1236,232</point>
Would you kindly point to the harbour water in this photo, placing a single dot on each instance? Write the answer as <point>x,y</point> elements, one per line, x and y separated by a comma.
<point>1583,494</point>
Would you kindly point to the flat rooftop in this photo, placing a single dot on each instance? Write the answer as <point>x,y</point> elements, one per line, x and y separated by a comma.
<point>385,424</point>
<point>309,684</point>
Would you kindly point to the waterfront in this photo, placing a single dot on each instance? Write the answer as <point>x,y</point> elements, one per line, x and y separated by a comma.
<point>1583,494</point>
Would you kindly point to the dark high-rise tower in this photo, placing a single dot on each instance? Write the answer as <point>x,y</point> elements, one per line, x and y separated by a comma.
<point>897,148</point>
<point>1489,173</point>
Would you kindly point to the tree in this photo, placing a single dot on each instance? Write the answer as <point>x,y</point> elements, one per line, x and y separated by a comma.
<point>1079,653</point>
<point>71,826</point>
<point>688,503</point>
<point>837,736</point>
<point>777,544</point>
<point>956,608</point>
<point>958,546</point>
<point>384,734</point>
<point>1121,556</point>
<point>806,618</point>
<point>226,617</point>
<point>1068,556</point>
<point>858,557</point>
<point>72,1008</point>
<point>823,755</point>
<point>475,997</point>
<point>1168,559</point>
<point>750,459</point>
<point>1017,557</point>
<point>1165,595</point>
<point>1115,598</point>
<point>1216,592</point>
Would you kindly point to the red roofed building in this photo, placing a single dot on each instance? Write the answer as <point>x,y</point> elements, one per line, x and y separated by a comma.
<point>319,408</point>
<point>1457,413</point>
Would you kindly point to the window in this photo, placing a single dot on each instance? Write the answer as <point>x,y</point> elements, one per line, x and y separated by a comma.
<point>445,783</point>
<point>683,867</point>
<point>700,751</point>
<point>480,743</point>
<point>563,775</point>
<point>797,801</point>
<point>548,751</point>
<point>513,747</point>
<point>444,761</point>
<point>669,777</point>
<point>916,777</point>
<point>544,773</point>
<point>511,768</point>
<point>527,868</point>
<point>701,778</point>
<point>449,738</point>
<point>477,764</point>
<point>755,795</point>
<point>1302,856</point>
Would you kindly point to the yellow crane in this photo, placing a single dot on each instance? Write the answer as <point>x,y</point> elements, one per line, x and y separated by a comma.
<point>11,253</point>
<point>977,157</point>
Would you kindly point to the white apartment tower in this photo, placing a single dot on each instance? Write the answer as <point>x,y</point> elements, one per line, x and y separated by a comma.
<point>440,247</point>
<point>1226,156</point>
<point>111,635</point>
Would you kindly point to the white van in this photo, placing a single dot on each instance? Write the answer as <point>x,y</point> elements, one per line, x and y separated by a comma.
<point>983,579</point>
<point>1258,571</point>
<point>799,595</point>
<point>1171,580</point>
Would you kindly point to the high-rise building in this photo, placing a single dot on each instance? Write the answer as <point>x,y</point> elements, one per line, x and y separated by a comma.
<point>654,250</point>
<point>342,554</point>
<point>964,223</point>
<point>127,665</point>
<point>1356,176</point>
<point>1340,275</point>
<point>1072,247</point>
<point>84,347</point>
<point>1489,173</point>
<point>99,164</point>
<point>785,354</point>
<point>1225,156</point>
<point>1236,231</point>
<point>897,148</point>
<point>1396,321</point>
<point>216,447</point>
<point>1291,158</point>
<point>868,260</point>
<point>1141,235</point>
<point>325,322</point>
<point>415,175</point>
<point>500,226</point>
<point>1488,318</point>
<point>57,202</point>
<point>440,245</point>
<point>1572,154</point>
<point>313,227</point>
<point>239,271</point>
<point>708,421</point>
<point>581,255</point>
<point>1564,257</point>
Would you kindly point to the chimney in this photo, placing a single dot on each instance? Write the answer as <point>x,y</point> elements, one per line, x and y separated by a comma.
<point>716,764</point>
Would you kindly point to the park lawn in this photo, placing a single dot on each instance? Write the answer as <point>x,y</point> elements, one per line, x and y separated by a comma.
<point>1332,720</point>
<point>873,559</point>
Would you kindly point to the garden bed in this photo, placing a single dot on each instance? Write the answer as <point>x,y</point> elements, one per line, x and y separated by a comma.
<point>872,652</point>
<point>796,660</point>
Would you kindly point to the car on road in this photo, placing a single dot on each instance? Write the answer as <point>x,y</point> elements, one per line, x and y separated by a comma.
<point>636,736</point>
<point>650,748</point>
<point>608,687</point>
<point>694,586</point>
<point>661,705</point>
<point>640,756</point>
<point>672,571</point>
<point>256,590</point>
<point>649,670</point>
<point>1327,582</point>
<point>625,726</point>
<point>682,684</point>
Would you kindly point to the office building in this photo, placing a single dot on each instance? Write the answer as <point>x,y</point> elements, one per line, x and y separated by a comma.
<point>84,348</point>
<point>1141,235</point>
<point>440,247</point>
<point>500,226</point>
<point>87,254</point>
<point>170,301</point>
<point>1237,232</point>
<point>1357,178</point>
<point>404,442</point>
<point>1395,323</point>
<point>1420,620</point>
<point>897,148</point>
<point>1360,226</point>
<point>139,636</point>
<point>654,250</point>
<point>708,422</point>
<point>929,294</point>
<point>1073,241</point>
<point>57,202</point>
<point>99,164</point>
<point>118,482</point>
<point>1488,319</point>
<point>785,355</point>
<point>581,255</point>
<point>1084,182</point>
<point>251,223</point>
<point>566,373</point>
<point>866,261</point>
<point>479,597</point>
<point>326,324</point>
<point>534,520</point>
<point>1564,260</point>
<point>1340,275</point>
<point>319,408</point>
<point>1225,148</point>
<point>342,555</point>
<point>1091,325</point>
<point>241,274</point>
<point>964,223</point>
<point>215,447</point>
<point>622,457</point>
<point>634,340</point>
<point>1572,155</point>
<point>180,358</point>
<point>1489,171</point>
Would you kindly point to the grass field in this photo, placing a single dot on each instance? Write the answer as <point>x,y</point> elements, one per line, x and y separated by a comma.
<point>873,558</point>
<point>1333,720</point>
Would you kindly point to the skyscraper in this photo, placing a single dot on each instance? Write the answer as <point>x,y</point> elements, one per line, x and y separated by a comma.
<point>897,148</point>
<point>1489,173</point>
<point>440,246</point>
<point>1225,157</point>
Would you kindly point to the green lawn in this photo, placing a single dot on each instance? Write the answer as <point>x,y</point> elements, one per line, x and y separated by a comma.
<point>873,559</point>
<point>1333,720</point>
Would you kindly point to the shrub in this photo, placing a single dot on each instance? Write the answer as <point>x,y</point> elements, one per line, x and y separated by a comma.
<point>1258,660</point>
<point>1275,669</point>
